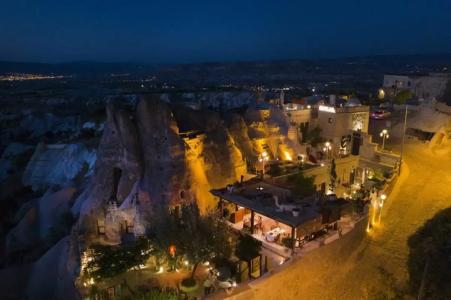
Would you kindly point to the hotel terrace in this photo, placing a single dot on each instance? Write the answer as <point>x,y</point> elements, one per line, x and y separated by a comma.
<point>272,214</point>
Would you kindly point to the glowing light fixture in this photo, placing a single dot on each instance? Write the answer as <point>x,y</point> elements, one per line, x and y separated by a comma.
<point>384,135</point>
<point>328,109</point>
<point>287,155</point>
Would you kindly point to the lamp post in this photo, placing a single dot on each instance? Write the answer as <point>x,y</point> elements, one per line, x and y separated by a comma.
<point>327,147</point>
<point>403,138</point>
<point>384,135</point>
<point>381,204</point>
<point>263,159</point>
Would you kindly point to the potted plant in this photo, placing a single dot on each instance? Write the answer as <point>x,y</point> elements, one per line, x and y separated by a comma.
<point>188,285</point>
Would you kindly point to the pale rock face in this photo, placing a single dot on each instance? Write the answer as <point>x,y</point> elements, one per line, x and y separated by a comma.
<point>157,162</point>
<point>58,265</point>
<point>119,149</point>
<point>58,164</point>
<point>163,151</point>
<point>240,134</point>
<point>47,123</point>
<point>51,277</point>
<point>11,152</point>
<point>268,128</point>
<point>43,215</point>
<point>223,159</point>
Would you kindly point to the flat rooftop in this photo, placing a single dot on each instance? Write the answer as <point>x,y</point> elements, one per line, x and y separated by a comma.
<point>258,195</point>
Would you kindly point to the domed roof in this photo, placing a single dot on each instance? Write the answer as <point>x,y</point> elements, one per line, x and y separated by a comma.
<point>353,102</point>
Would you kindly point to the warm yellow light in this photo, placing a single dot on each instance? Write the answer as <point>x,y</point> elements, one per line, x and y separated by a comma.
<point>383,197</point>
<point>287,155</point>
<point>381,94</point>
<point>328,109</point>
<point>384,132</point>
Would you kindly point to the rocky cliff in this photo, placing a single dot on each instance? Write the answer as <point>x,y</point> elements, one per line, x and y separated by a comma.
<point>157,154</point>
<point>151,153</point>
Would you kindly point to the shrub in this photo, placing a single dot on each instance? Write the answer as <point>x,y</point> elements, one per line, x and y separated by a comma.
<point>303,186</point>
<point>287,242</point>
<point>429,257</point>
<point>109,261</point>
<point>275,170</point>
<point>189,282</point>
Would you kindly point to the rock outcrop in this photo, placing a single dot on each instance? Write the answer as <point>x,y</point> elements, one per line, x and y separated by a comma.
<point>41,222</point>
<point>157,155</point>
<point>58,164</point>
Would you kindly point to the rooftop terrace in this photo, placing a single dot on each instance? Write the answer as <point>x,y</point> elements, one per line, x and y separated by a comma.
<point>272,201</point>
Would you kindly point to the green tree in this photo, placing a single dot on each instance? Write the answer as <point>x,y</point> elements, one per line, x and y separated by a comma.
<point>303,128</point>
<point>153,294</point>
<point>402,96</point>
<point>109,261</point>
<point>247,248</point>
<point>303,186</point>
<point>314,136</point>
<point>202,238</point>
<point>164,233</point>
<point>429,262</point>
<point>333,175</point>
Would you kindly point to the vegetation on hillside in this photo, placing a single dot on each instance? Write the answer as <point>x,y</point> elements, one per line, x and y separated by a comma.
<point>429,260</point>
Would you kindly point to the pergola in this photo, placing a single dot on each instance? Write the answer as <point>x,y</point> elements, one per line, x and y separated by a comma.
<point>256,206</point>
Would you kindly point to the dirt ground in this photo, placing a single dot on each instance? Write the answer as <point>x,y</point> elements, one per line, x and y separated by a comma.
<point>362,265</point>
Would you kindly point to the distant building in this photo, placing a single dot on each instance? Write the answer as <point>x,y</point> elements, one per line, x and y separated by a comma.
<point>339,121</point>
<point>298,114</point>
<point>422,86</point>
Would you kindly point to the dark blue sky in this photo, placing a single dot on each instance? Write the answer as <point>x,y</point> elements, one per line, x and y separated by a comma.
<point>197,31</point>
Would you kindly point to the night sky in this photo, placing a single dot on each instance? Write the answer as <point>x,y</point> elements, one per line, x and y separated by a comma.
<point>197,31</point>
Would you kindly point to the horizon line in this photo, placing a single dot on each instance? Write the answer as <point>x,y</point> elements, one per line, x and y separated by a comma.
<point>219,61</point>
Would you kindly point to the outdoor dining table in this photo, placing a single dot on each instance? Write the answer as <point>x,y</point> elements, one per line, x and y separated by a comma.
<point>272,235</point>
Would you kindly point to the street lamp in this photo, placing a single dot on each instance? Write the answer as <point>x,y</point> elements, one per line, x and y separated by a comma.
<point>384,135</point>
<point>381,204</point>
<point>327,147</point>
<point>403,139</point>
<point>263,159</point>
